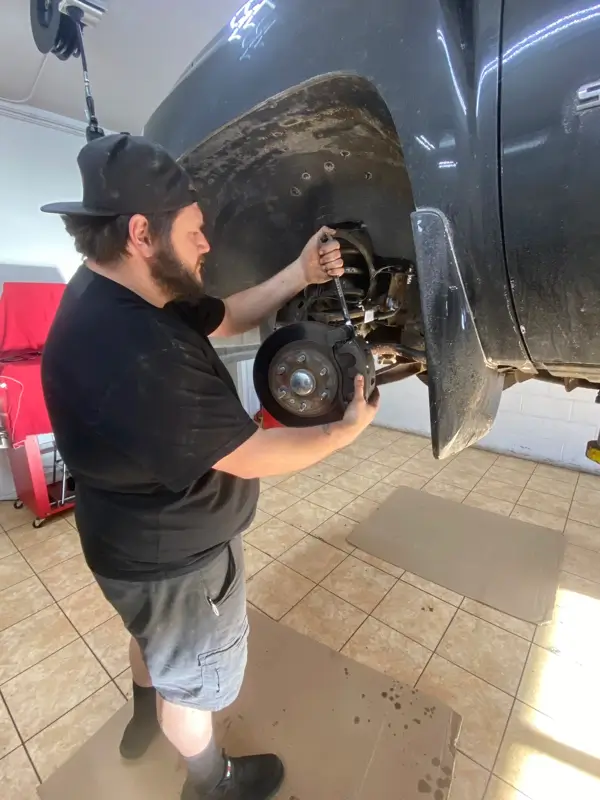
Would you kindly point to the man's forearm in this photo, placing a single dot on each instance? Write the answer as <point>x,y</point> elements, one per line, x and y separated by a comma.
<point>245,310</point>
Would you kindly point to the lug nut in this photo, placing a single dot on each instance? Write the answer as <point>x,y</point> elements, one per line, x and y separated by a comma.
<point>325,396</point>
<point>291,401</point>
<point>281,369</point>
<point>302,406</point>
<point>301,358</point>
<point>323,372</point>
<point>282,391</point>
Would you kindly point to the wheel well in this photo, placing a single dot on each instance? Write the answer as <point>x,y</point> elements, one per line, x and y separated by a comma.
<point>322,153</point>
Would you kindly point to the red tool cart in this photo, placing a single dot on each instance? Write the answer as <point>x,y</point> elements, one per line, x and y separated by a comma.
<point>41,479</point>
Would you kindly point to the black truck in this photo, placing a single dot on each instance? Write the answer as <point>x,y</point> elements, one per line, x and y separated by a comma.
<point>454,145</point>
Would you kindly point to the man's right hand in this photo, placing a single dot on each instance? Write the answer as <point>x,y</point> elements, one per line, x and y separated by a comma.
<point>360,412</point>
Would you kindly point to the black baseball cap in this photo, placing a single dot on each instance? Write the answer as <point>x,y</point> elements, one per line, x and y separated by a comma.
<point>124,174</point>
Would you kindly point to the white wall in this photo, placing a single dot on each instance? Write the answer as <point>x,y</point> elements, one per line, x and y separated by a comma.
<point>38,165</point>
<point>536,420</point>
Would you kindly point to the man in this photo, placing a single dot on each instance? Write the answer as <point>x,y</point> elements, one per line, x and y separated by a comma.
<point>165,458</point>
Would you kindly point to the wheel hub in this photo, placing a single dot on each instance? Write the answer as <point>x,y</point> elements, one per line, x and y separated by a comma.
<point>303,380</point>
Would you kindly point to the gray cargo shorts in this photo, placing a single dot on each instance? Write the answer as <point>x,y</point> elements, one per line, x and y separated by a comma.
<point>192,629</point>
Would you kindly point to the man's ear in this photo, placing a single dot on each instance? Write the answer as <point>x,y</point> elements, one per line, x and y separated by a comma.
<point>139,236</point>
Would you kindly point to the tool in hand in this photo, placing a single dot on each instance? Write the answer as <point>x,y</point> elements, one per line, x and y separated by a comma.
<point>338,288</point>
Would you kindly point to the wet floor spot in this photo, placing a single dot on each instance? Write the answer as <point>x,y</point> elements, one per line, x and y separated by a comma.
<point>356,720</point>
<point>424,787</point>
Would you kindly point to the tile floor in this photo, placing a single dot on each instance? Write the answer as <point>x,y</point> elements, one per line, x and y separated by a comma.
<point>529,697</point>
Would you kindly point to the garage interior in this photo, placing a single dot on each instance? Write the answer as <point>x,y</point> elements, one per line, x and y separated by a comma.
<point>517,699</point>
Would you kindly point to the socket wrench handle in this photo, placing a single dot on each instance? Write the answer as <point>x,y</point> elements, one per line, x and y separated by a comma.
<point>339,290</point>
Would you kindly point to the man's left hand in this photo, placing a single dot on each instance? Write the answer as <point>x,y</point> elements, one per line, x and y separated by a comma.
<point>320,261</point>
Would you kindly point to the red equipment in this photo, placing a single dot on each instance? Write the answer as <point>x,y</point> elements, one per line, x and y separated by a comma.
<point>26,314</point>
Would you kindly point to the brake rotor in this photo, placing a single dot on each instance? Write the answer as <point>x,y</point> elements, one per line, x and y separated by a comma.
<point>304,372</point>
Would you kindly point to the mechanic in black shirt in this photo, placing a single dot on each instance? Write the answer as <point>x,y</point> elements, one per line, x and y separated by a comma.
<point>164,456</point>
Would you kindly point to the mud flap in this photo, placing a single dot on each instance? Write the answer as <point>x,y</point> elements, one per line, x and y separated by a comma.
<point>464,390</point>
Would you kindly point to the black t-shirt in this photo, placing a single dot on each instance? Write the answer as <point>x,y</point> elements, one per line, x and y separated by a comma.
<point>142,408</point>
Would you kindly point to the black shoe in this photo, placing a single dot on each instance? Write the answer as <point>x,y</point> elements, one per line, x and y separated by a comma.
<point>143,726</point>
<point>247,778</point>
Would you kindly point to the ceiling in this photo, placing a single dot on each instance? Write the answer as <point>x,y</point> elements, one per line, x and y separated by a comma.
<point>135,54</point>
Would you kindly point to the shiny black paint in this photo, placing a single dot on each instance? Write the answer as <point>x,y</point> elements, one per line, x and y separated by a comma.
<point>551,177</point>
<point>434,63</point>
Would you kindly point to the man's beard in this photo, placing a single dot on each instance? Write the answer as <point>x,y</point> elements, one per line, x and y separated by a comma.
<point>173,278</point>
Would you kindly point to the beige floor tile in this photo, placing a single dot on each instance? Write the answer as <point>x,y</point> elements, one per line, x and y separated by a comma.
<point>53,551</point>
<point>306,515</point>
<point>400,478</point>
<point>389,458</point>
<point>67,577</point>
<point>386,435</point>
<point>576,613</point>
<point>7,548</point>
<point>418,615</point>
<point>22,600</point>
<point>259,519</point>
<point>354,483</point>
<point>517,464</point>
<point>491,653</point>
<point>276,589</point>
<point>272,480</point>
<point>9,738</point>
<point>492,504</point>
<point>464,477</point>
<point>510,476</point>
<point>587,496</point>
<point>110,643</point>
<point>540,518</point>
<point>331,497</point>
<point>274,500</point>
<point>551,486</point>
<point>525,630</point>
<point>545,502</point>
<point>312,558</point>
<point>300,485</point>
<point>27,536</point>
<point>325,617</point>
<point>58,684</point>
<point>582,562</point>
<point>342,461</point>
<point>10,517</point>
<point>381,491</point>
<point>323,472</point>
<point>484,708</point>
<point>424,465</point>
<point>362,451</point>
<point>440,592</point>
<point>379,563</point>
<point>372,470</point>
<point>498,790</point>
<point>125,684</point>
<point>569,476</point>
<point>13,570</point>
<point>582,535</point>
<point>580,512</point>
<point>561,688</point>
<point>586,480</point>
<point>32,640</point>
<point>87,608</point>
<point>334,531</point>
<point>490,487</point>
<point>51,748</point>
<point>410,446</point>
<point>254,560</point>
<point>547,760</point>
<point>359,509</point>
<point>479,459</point>
<point>384,649</point>
<point>275,537</point>
<point>469,781</point>
<point>18,780</point>
<point>445,490</point>
<point>360,584</point>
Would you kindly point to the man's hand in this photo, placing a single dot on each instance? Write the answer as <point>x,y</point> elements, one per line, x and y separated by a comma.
<point>321,259</point>
<point>360,412</point>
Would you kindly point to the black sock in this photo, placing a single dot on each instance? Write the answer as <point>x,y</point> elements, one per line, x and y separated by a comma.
<point>207,769</point>
<point>143,726</point>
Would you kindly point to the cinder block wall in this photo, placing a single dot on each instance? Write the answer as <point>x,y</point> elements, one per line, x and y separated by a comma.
<point>536,420</point>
